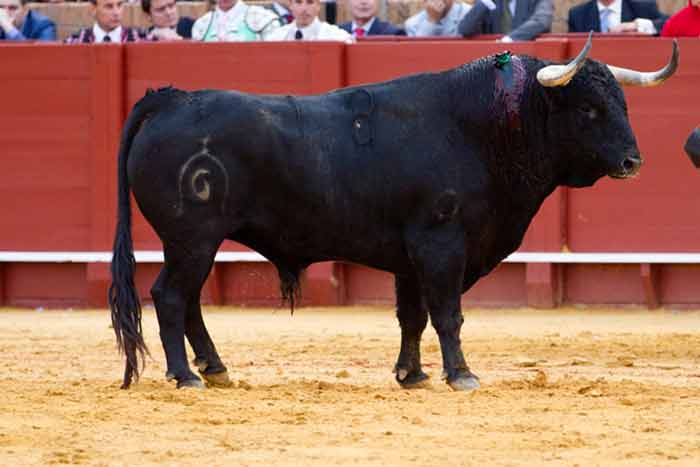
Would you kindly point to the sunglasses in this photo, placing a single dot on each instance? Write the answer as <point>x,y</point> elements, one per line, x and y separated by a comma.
<point>10,7</point>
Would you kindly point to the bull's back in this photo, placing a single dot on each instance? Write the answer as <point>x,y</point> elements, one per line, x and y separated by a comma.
<point>300,176</point>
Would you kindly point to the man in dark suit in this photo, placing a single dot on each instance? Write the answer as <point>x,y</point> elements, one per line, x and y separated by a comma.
<point>108,27</point>
<point>166,21</point>
<point>518,20</point>
<point>365,21</point>
<point>18,23</point>
<point>617,16</point>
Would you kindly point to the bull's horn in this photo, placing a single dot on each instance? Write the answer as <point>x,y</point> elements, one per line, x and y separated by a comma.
<point>638,78</point>
<point>560,75</point>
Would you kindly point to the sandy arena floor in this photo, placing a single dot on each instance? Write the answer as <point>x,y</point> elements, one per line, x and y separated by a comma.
<point>568,387</point>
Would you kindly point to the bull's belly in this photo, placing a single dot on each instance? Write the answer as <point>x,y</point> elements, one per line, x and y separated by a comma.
<point>315,242</point>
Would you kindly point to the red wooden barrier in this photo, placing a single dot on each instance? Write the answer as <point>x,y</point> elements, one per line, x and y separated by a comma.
<point>658,210</point>
<point>61,116</point>
<point>63,108</point>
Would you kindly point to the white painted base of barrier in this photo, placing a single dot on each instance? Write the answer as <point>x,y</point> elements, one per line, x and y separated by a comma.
<point>253,257</point>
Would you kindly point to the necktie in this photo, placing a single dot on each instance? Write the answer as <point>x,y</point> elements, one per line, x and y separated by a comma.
<point>506,18</point>
<point>604,19</point>
<point>359,32</point>
<point>298,35</point>
<point>107,39</point>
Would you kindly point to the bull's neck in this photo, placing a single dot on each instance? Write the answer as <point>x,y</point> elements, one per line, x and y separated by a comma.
<point>505,116</point>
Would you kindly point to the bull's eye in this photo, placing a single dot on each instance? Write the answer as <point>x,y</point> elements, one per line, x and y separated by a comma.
<point>589,112</point>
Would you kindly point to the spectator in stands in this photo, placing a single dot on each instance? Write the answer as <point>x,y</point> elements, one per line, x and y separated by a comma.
<point>518,20</point>
<point>685,23</point>
<point>108,25</point>
<point>18,23</point>
<point>281,9</point>
<point>166,21</point>
<point>235,21</point>
<point>617,16</point>
<point>365,21</point>
<point>438,18</point>
<point>307,27</point>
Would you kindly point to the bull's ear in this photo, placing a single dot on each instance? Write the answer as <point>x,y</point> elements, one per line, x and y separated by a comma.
<point>628,77</point>
<point>560,75</point>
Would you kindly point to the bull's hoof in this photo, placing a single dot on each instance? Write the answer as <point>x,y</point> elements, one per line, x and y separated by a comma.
<point>464,381</point>
<point>190,383</point>
<point>220,379</point>
<point>412,380</point>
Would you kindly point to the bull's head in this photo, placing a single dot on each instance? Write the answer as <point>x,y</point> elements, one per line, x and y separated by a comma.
<point>589,116</point>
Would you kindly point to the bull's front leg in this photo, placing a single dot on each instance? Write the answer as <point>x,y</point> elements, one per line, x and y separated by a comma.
<point>438,255</point>
<point>446,316</point>
<point>413,318</point>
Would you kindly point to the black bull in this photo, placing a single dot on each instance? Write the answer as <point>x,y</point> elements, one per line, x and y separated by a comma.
<point>434,178</point>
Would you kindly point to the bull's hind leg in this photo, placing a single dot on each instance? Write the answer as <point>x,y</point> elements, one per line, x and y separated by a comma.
<point>413,318</point>
<point>438,255</point>
<point>206,359</point>
<point>177,287</point>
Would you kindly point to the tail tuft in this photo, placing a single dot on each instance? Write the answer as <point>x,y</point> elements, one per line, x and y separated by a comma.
<point>290,287</point>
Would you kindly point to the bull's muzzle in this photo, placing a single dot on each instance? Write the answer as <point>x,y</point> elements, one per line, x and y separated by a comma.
<point>629,167</point>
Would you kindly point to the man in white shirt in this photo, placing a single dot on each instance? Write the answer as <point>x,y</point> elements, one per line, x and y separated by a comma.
<point>235,21</point>
<point>439,18</point>
<point>307,27</point>
<point>617,16</point>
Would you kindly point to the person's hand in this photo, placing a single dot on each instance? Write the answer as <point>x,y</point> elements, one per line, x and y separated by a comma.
<point>5,21</point>
<point>629,26</point>
<point>166,34</point>
<point>436,10</point>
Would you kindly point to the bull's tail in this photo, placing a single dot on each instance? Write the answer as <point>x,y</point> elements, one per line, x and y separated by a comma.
<point>123,297</point>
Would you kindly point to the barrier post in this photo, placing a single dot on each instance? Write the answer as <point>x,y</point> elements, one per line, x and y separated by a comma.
<point>543,280</point>
<point>324,281</point>
<point>650,284</point>
<point>107,110</point>
<point>324,285</point>
<point>326,67</point>
<point>2,285</point>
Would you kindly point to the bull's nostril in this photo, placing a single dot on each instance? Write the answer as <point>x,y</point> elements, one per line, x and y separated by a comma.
<point>628,165</point>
